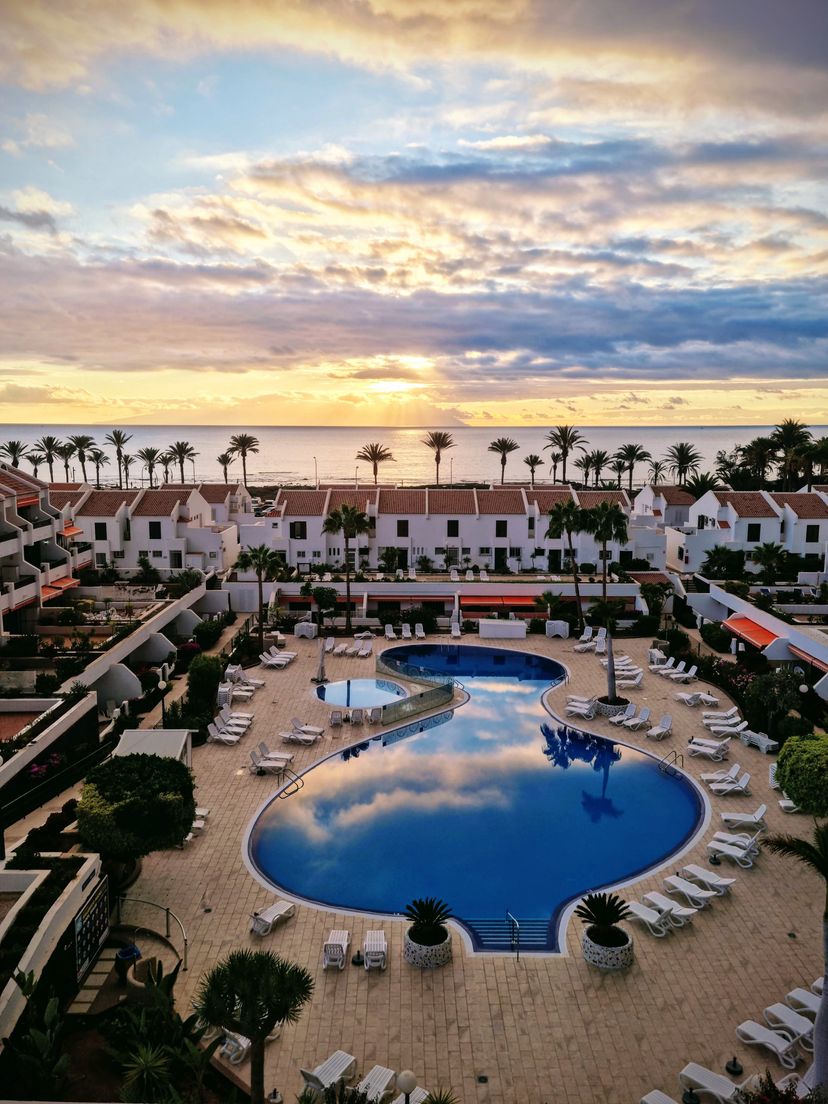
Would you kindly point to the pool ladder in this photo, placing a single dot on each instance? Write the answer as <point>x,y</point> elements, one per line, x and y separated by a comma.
<point>295,784</point>
<point>671,761</point>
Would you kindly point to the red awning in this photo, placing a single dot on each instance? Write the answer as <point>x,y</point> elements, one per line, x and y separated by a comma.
<point>820,664</point>
<point>65,583</point>
<point>48,592</point>
<point>28,500</point>
<point>69,531</point>
<point>497,600</point>
<point>748,630</point>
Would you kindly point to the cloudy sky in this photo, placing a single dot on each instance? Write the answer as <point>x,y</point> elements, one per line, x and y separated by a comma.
<point>414,211</point>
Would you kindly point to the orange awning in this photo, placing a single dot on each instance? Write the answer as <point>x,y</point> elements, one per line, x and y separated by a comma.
<point>28,500</point>
<point>820,664</point>
<point>69,531</point>
<point>48,592</point>
<point>748,630</point>
<point>497,600</point>
<point>65,583</point>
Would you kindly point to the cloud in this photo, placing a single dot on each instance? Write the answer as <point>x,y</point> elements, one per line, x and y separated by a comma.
<point>33,220</point>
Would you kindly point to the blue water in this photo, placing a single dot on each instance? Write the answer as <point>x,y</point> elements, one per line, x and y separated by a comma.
<point>360,693</point>
<point>492,807</point>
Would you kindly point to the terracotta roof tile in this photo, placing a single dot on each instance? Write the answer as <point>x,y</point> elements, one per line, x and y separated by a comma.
<point>650,577</point>
<point>106,503</point>
<point>451,502</point>
<point>549,497</point>
<point>59,499</point>
<point>501,500</point>
<point>20,483</point>
<point>590,499</point>
<point>674,496</point>
<point>804,505</point>
<point>65,486</point>
<point>399,501</point>
<point>302,503</point>
<point>747,503</point>
<point>159,503</point>
<point>358,499</point>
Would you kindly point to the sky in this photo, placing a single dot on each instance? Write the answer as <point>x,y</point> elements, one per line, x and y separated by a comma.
<point>413,212</point>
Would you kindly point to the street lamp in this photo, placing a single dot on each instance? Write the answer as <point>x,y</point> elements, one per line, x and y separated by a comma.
<point>316,473</point>
<point>407,1083</point>
<point>162,686</point>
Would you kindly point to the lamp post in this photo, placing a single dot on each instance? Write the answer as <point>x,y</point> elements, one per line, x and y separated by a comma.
<point>162,686</point>
<point>407,1083</point>
<point>451,471</point>
<point>316,473</point>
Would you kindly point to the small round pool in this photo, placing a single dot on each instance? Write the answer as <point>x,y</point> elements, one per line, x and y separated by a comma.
<point>360,693</point>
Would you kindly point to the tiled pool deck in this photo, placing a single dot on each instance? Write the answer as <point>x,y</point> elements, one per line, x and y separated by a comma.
<point>546,1030</point>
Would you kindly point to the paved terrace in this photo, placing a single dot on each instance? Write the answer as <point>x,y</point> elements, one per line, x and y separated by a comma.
<point>546,1029</point>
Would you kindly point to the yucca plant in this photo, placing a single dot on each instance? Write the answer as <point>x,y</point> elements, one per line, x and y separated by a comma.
<point>428,917</point>
<point>602,912</point>
<point>441,1096</point>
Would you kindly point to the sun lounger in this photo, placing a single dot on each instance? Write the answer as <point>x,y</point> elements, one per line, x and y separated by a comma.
<point>406,632</point>
<point>724,722</point>
<point>722,713</point>
<point>656,658</point>
<point>738,855</point>
<point>708,879</point>
<point>728,730</point>
<point>694,895</point>
<point>581,698</point>
<point>297,737</point>
<point>454,576</point>
<point>722,775</point>
<point>236,728</point>
<point>684,676</point>
<point>754,819</point>
<point>803,1001</point>
<point>679,915</point>
<point>601,645</point>
<point>235,714</point>
<point>586,635</point>
<point>389,633</point>
<point>412,575</point>
<point>456,632</point>
<point>215,736</point>
<point>577,709</point>
<point>280,653</point>
<point>357,717</point>
<point>641,721</point>
<point>741,786</point>
<point>377,1084</point>
<point>354,649</point>
<point>626,715</point>
<point>691,700</point>
<point>202,812</point>
<point>704,1080</point>
<point>235,1048</point>
<point>817,985</point>
<point>375,714</point>
<point>630,684</point>
<point>330,644</point>
<point>774,785</point>
<point>365,649</point>
<point>656,1096</point>
<point>661,668</point>
<point>662,729</point>
<point>265,766</point>
<point>754,1034</point>
<point>668,672</point>
<point>263,921</point>
<point>656,923</point>
<point>759,740</point>
<point>469,576</point>
<point>273,756</point>
<point>716,752</point>
<point>335,950</point>
<point>587,646</point>
<point>272,662</point>
<point>308,729</point>
<point>375,950</point>
<point>336,718</point>
<point>339,1067</point>
<point>340,649</point>
<point>782,1018</point>
<point>419,632</point>
<point>620,661</point>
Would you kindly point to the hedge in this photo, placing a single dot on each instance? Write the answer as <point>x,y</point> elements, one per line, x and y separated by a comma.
<point>715,636</point>
<point>802,770</point>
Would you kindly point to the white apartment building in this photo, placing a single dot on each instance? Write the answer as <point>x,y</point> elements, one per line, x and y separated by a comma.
<point>662,505</point>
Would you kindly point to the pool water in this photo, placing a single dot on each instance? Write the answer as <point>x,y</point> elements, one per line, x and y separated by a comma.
<point>493,807</point>
<point>361,693</point>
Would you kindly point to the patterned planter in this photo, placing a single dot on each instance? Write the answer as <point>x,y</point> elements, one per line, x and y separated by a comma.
<point>608,958</point>
<point>607,710</point>
<point>427,958</point>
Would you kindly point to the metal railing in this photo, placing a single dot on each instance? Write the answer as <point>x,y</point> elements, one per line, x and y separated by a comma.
<point>514,927</point>
<point>440,690</point>
<point>670,761</point>
<point>168,916</point>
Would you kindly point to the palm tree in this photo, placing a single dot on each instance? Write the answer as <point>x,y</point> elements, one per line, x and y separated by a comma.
<point>683,458</point>
<point>658,470</point>
<point>250,992</point>
<point>758,455</point>
<point>702,483</point>
<point>48,446</point>
<point>65,452</point>
<point>600,459</point>
<point>165,460</point>
<point>606,612</point>
<point>83,443</point>
<point>771,558</point>
<point>813,853</point>
<point>532,462</point>
<point>35,459</point>
<point>551,602</point>
<point>564,438</point>
<point>438,441</point>
<point>607,522</point>
<point>265,563</point>
<point>14,451</point>
<point>632,455</point>
<point>503,446</point>
<point>717,562</point>
<point>584,465</point>
<point>349,521</point>
<point>179,452</point>
<point>241,444</point>
<point>566,518</point>
<point>375,454</point>
<point>100,460</point>
<point>149,457</point>
<point>554,460</point>
<point>126,463</point>
<point>225,459</point>
<point>790,438</point>
<point>618,467</point>
<point>119,440</point>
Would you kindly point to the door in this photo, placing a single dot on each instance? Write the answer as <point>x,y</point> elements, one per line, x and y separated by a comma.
<point>501,555</point>
<point>554,559</point>
<point>402,558</point>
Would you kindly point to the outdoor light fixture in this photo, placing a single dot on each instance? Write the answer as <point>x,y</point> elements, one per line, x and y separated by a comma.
<point>407,1083</point>
<point>689,1097</point>
<point>162,686</point>
<point>734,1066</point>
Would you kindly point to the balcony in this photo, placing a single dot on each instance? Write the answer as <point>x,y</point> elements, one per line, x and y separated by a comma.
<point>41,530</point>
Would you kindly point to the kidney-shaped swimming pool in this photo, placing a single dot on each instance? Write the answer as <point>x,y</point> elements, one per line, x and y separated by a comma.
<point>494,807</point>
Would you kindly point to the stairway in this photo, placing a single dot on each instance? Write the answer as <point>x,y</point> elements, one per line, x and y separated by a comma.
<point>496,934</point>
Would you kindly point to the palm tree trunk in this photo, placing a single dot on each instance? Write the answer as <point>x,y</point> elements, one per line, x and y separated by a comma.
<point>576,580</point>
<point>631,475</point>
<point>66,469</point>
<point>150,472</point>
<point>118,462</point>
<point>224,469</point>
<point>50,462</point>
<point>181,467</point>
<point>376,472</point>
<point>564,456</point>
<point>612,691</point>
<point>347,582</point>
<point>261,616</point>
<point>604,571</point>
<point>437,466</point>
<point>244,468</point>
<point>257,1059</point>
<point>83,467</point>
<point>502,470</point>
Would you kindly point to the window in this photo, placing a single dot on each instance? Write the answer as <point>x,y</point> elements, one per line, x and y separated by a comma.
<point>605,555</point>
<point>155,530</point>
<point>298,530</point>
<point>484,551</point>
<point>501,528</point>
<point>117,555</point>
<point>754,532</point>
<point>402,527</point>
<point>625,555</point>
<point>439,551</point>
<point>100,559</point>
<point>127,530</point>
<point>531,524</point>
<point>515,553</point>
<point>702,521</point>
<point>316,555</point>
<point>157,555</point>
<point>465,551</point>
<point>144,555</point>
<point>176,560</point>
<point>812,534</point>
<point>100,530</point>
<point>453,528</point>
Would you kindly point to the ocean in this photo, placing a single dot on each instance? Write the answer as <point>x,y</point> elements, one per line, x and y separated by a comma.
<point>298,454</point>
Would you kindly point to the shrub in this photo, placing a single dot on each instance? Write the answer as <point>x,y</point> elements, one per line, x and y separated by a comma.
<point>715,636</point>
<point>684,615</point>
<point>185,581</point>
<point>68,615</point>
<point>202,684</point>
<point>428,916</point>
<point>146,574</point>
<point>537,625</point>
<point>46,683</point>
<point>207,633</point>
<point>587,568</point>
<point>419,615</point>
<point>602,912</point>
<point>678,640</point>
<point>136,804</point>
<point>801,772</point>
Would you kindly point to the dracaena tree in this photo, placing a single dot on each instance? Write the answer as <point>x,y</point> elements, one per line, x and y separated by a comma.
<point>99,460</point>
<point>631,455</point>
<point>682,459</point>
<point>65,452</point>
<point>149,458</point>
<point>14,452</point>
<point>35,459</point>
<point>607,522</point>
<point>224,460</point>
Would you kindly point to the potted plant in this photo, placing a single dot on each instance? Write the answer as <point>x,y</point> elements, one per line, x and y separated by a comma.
<point>428,940</point>
<point>605,945</point>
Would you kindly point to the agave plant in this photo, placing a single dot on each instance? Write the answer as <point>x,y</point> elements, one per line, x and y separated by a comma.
<point>602,912</point>
<point>428,917</point>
